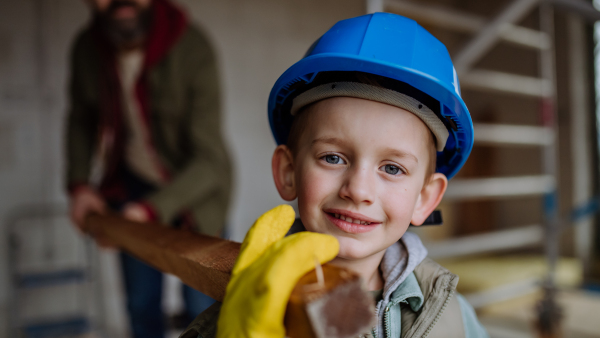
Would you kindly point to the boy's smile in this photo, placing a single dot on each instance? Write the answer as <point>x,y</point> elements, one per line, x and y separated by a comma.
<point>359,173</point>
<point>351,222</point>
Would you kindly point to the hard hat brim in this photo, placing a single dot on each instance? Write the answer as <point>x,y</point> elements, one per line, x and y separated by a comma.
<point>451,104</point>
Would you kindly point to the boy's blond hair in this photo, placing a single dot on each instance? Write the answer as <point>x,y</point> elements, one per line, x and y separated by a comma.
<point>301,120</point>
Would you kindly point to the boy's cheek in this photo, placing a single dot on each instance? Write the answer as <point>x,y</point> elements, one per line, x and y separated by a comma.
<point>400,203</point>
<point>313,188</point>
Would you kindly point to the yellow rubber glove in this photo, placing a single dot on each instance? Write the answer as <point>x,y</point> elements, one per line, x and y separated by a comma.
<point>265,273</point>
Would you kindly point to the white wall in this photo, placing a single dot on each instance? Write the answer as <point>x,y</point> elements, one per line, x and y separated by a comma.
<point>34,36</point>
<point>255,40</point>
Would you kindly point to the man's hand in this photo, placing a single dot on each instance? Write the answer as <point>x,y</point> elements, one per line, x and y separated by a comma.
<point>265,273</point>
<point>136,212</point>
<point>85,201</point>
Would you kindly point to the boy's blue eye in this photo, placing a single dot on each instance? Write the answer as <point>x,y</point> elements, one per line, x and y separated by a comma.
<point>333,159</point>
<point>391,169</point>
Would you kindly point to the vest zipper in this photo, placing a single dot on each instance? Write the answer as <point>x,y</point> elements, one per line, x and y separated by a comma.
<point>374,329</point>
<point>437,317</point>
<point>386,318</point>
<point>386,321</point>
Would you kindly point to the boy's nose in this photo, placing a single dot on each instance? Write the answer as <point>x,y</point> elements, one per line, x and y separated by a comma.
<point>358,186</point>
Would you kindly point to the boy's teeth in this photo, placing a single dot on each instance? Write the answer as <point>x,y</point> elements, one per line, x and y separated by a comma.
<point>350,220</point>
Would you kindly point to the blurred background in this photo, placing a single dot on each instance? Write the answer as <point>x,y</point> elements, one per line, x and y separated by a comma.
<point>520,217</point>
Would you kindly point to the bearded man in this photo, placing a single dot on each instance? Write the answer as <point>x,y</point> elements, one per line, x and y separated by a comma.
<point>143,135</point>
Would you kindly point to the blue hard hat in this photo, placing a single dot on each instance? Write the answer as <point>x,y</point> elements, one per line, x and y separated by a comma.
<point>402,55</point>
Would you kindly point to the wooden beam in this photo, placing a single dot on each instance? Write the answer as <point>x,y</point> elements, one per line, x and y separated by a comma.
<point>200,261</point>
<point>205,263</point>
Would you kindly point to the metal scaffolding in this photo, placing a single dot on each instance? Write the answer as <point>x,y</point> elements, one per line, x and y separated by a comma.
<point>487,33</point>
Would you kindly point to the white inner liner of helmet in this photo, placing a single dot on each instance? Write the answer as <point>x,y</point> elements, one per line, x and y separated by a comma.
<point>379,94</point>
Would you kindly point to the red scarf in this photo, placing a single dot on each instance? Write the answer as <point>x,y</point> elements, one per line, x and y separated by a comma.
<point>168,23</point>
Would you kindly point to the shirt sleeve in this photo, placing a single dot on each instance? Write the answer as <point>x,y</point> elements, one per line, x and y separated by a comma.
<point>208,170</point>
<point>473,328</point>
<point>82,120</point>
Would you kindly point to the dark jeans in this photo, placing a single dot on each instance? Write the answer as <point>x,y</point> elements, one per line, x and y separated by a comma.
<point>143,284</point>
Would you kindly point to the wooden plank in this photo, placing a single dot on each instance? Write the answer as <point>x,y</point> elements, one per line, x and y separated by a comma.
<point>200,261</point>
<point>503,134</point>
<point>205,263</point>
<point>499,187</point>
<point>525,236</point>
<point>493,81</point>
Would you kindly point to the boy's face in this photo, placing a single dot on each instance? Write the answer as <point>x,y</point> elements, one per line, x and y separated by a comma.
<point>359,174</point>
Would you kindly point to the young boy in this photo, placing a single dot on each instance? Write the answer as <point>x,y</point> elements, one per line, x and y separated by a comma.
<point>370,126</point>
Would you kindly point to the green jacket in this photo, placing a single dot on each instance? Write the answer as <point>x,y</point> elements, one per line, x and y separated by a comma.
<point>424,305</point>
<point>183,120</point>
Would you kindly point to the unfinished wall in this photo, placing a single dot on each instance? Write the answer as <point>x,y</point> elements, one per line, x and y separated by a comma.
<point>255,40</point>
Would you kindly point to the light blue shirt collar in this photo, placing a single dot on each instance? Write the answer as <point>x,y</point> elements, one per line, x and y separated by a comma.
<point>409,291</point>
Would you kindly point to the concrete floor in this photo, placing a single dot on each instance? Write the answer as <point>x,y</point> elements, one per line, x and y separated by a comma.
<point>515,318</point>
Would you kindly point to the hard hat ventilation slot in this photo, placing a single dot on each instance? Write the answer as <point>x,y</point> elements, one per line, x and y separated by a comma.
<point>308,78</point>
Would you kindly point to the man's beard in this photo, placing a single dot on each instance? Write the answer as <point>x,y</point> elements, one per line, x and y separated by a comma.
<point>124,32</point>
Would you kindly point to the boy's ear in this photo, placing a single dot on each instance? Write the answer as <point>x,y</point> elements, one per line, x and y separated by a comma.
<point>429,198</point>
<point>282,165</point>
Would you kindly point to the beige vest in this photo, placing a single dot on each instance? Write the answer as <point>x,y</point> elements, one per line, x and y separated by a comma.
<point>440,315</point>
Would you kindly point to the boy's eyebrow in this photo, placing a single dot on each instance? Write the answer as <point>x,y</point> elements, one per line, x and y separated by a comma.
<point>400,153</point>
<point>327,140</point>
<point>392,151</point>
